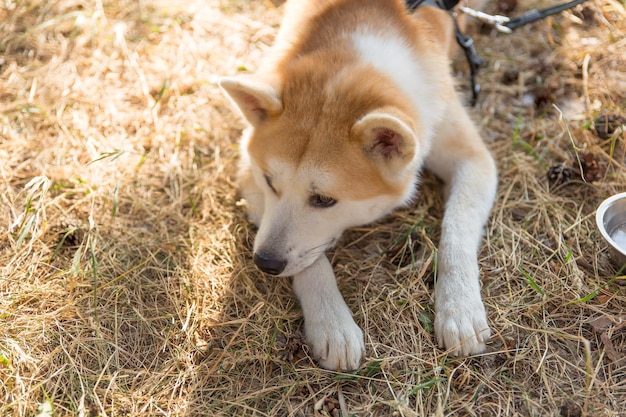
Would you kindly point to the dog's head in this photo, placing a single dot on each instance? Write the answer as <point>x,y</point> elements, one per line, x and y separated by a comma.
<point>328,155</point>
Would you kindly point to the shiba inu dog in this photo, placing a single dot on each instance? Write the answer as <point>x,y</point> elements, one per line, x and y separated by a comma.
<point>343,115</point>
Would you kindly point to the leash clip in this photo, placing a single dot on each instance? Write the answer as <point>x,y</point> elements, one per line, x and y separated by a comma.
<point>497,21</point>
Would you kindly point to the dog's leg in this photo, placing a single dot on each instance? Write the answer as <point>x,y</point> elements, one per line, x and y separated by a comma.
<point>461,159</point>
<point>335,339</point>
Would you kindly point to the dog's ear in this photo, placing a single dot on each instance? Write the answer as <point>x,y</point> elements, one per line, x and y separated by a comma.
<point>386,138</point>
<point>256,98</point>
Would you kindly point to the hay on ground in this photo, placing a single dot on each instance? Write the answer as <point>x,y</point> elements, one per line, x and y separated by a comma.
<point>127,287</point>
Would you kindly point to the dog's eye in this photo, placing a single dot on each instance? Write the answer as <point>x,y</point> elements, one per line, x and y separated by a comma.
<point>321,201</point>
<point>269,184</point>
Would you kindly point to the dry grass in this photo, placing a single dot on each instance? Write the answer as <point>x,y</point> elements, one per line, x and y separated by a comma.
<point>126,283</point>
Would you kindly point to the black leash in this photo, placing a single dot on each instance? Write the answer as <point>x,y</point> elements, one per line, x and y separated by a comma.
<point>534,15</point>
<point>502,23</point>
<point>443,4</point>
<point>474,60</point>
<point>507,25</point>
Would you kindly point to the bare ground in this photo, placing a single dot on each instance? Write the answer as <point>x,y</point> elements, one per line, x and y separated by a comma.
<point>127,287</point>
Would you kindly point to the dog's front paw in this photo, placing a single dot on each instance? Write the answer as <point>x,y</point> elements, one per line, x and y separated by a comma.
<point>336,345</point>
<point>461,326</point>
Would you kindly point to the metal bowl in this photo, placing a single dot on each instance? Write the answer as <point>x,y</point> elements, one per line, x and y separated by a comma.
<point>611,220</point>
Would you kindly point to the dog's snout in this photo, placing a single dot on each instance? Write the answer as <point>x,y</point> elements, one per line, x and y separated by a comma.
<point>269,265</point>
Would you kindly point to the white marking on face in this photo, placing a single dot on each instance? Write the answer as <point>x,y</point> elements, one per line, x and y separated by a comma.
<point>294,230</point>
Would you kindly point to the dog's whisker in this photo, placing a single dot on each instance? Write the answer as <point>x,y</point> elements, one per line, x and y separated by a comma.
<point>320,249</point>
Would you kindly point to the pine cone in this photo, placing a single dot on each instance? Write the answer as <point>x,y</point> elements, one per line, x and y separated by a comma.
<point>607,124</point>
<point>559,174</point>
<point>594,169</point>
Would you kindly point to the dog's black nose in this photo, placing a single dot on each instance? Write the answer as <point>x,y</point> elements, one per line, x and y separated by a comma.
<point>269,265</point>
